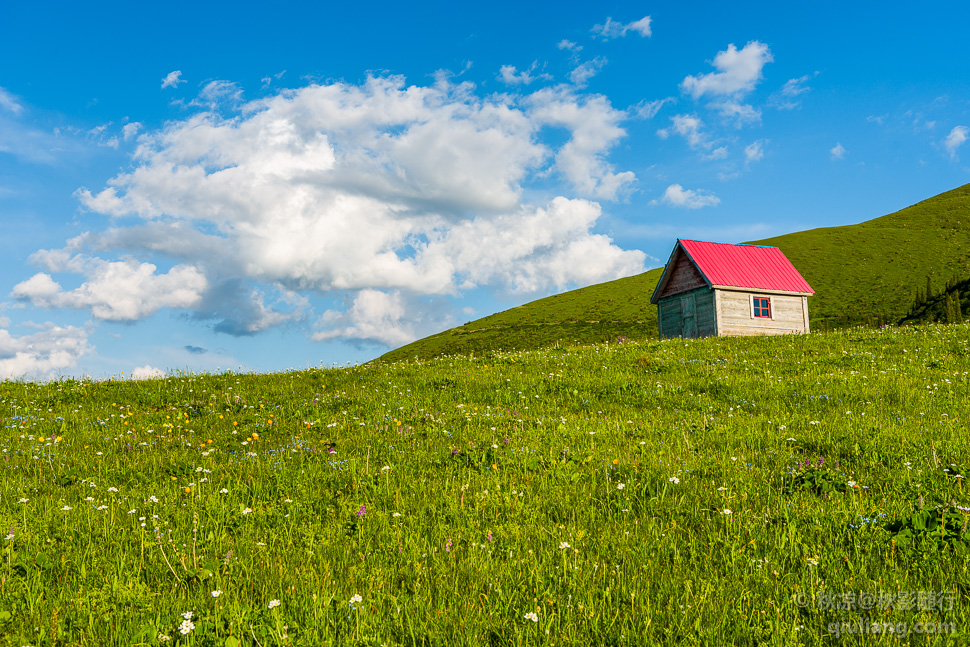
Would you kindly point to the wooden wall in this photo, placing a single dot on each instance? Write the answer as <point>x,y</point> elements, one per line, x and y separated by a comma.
<point>684,277</point>
<point>789,314</point>
<point>688,314</point>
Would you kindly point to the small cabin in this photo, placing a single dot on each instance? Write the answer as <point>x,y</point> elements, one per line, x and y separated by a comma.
<point>717,289</point>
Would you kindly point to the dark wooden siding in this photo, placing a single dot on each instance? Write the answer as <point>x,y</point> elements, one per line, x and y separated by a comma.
<point>683,277</point>
<point>687,314</point>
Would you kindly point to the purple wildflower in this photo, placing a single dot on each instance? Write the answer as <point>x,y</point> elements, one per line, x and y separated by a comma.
<point>361,510</point>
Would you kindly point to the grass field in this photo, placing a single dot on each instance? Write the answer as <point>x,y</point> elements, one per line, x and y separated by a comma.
<point>803,490</point>
<point>865,273</point>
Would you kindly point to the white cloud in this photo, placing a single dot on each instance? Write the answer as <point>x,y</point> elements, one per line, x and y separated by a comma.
<point>678,196</point>
<point>690,127</point>
<point>955,140</point>
<point>147,372</point>
<point>612,29</point>
<point>375,316</point>
<point>217,93</point>
<point>569,45</point>
<point>9,102</point>
<point>172,79</point>
<point>582,73</point>
<point>43,354</point>
<point>129,130</point>
<point>115,291</point>
<point>649,109</point>
<point>837,152</point>
<point>786,97</point>
<point>342,189</point>
<point>594,126</point>
<point>740,113</point>
<point>754,152</point>
<point>534,249</point>
<point>509,75</point>
<point>718,153</point>
<point>738,71</point>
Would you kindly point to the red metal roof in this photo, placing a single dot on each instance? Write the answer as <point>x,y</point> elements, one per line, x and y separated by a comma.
<point>745,266</point>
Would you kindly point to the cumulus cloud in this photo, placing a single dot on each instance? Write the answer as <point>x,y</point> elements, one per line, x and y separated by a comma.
<point>595,128</point>
<point>738,71</point>
<point>375,316</point>
<point>613,29</point>
<point>172,79</point>
<point>367,189</point>
<point>955,140</point>
<point>569,45</point>
<point>115,290</point>
<point>511,76</point>
<point>43,354</point>
<point>678,196</point>
<point>690,127</point>
<point>147,372</point>
<point>838,151</point>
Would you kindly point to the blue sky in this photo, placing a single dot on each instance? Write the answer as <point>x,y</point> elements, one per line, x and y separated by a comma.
<point>261,187</point>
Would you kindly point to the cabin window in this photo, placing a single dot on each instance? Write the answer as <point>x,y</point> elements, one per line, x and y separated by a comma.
<point>762,307</point>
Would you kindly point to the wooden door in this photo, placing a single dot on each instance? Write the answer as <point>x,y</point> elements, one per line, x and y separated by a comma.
<point>689,317</point>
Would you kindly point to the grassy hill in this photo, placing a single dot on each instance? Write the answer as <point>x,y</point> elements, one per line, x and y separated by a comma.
<point>707,492</point>
<point>862,274</point>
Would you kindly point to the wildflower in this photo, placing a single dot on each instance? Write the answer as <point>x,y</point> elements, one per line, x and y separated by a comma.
<point>273,604</point>
<point>24,500</point>
<point>188,615</point>
<point>813,561</point>
<point>65,508</point>
<point>112,489</point>
<point>216,593</point>
<point>223,491</point>
<point>361,510</point>
<point>186,627</point>
<point>563,545</point>
<point>620,486</point>
<point>674,480</point>
<point>247,510</point>
<point>532,616</point>
<point>356,599</point>
<point>725,511</point>
<point>396,514</point>
<point>163,638</point>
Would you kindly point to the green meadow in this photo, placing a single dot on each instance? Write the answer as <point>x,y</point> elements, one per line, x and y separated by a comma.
<point>863,274</point>
<point>797,490</point>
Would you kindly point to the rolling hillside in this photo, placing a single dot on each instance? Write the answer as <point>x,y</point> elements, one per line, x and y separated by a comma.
<point>862,274</point>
